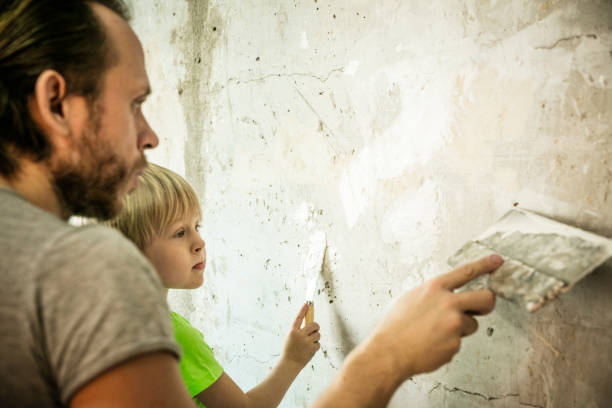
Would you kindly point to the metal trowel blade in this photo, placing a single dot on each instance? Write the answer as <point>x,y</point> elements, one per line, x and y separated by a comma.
<point>542,257</point>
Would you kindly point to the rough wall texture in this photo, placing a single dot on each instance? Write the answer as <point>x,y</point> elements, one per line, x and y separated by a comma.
<point>402,129</point>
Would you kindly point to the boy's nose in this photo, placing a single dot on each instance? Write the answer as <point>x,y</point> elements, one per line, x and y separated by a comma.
<point>199,245</point>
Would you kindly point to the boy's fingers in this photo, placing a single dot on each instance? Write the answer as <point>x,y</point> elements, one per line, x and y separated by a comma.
<point>300,316</point>
<point>467,272</point>
<point>478,302</point>
<point>311,328</point>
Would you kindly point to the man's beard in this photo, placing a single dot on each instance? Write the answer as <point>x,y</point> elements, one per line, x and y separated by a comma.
<point>90,188</point>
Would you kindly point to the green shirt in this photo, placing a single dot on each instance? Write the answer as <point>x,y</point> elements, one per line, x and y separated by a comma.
<point>198,366</point>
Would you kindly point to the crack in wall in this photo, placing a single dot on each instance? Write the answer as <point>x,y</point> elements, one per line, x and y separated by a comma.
<point>473,393</point>
<point>560,40</point>
<point>236,80</point>
<point>526,404</point>
<point>322,122</point>
<point>321,79</point>
<point>480,395</point>
<point>556,352</point>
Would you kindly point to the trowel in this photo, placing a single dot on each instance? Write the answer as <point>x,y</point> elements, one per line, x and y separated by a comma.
<point>543,258</point>
<point>313,263</point>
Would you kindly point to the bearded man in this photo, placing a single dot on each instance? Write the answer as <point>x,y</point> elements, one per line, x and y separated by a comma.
<point>83,321</point>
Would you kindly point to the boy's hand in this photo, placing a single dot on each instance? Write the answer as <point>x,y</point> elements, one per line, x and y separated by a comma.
<point>302,342</point>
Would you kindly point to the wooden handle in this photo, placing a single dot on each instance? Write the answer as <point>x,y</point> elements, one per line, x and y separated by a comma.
<point>310,313</point>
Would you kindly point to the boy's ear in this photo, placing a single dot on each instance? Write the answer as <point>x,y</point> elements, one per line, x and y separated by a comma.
<point>48,105</point>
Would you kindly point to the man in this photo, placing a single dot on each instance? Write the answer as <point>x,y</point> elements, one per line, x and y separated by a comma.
<point>73,300</point>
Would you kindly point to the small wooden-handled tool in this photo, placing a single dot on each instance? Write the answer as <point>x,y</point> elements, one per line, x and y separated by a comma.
<point>310,313</point>
<point>312,268</point>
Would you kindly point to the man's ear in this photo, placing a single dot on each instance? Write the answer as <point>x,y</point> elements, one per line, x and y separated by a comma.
<point>47,103</point>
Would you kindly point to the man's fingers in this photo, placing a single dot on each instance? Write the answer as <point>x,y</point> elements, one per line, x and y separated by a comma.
<point>469,325</point>
<point>300,316</point>
<point>467,272</point>
<point>479,302</point>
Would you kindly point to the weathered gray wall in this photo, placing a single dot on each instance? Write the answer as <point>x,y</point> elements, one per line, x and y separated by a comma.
<point>402,129</point>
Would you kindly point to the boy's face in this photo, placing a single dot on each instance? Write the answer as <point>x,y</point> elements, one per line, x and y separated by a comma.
<point>179,254</point>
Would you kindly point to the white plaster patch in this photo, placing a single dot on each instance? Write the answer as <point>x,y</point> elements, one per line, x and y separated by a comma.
<point>592,60</point>
<point>331,260</point>
<point>305,216</point>
<point>412,139</point>
<point>357,184</point>
<point>351,68</point>
<point>546,204</point>
<point>304,41</point>
<point>412,222</point>
<point>507,177</point>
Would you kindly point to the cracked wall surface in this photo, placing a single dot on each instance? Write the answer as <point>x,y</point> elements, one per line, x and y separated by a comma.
<point>402,129</point>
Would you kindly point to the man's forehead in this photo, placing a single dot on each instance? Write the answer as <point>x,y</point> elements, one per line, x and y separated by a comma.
<point>128,49</point>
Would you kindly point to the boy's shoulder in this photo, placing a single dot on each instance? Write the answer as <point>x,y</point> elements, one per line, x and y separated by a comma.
<point>185,333</point>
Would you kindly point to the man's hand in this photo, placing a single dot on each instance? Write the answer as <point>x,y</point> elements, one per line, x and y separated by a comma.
<point>423,330</point>
<point>302,343</point>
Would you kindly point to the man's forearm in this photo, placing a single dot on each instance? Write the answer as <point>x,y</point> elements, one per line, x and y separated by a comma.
<point>368,378</point>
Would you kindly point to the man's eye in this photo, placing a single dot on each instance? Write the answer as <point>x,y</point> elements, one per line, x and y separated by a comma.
<point>137,104</point>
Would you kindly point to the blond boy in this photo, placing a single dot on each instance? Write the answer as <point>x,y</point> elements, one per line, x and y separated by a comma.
<point>162,217</point>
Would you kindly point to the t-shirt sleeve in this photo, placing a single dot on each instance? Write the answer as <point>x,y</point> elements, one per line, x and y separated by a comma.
<point>199,368</point>
<point>100,303</point>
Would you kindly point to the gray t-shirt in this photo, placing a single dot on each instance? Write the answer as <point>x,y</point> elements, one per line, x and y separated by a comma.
<point>74,301</point>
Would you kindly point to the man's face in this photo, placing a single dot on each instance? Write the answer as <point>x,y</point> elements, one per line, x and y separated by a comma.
<point>109,144</point>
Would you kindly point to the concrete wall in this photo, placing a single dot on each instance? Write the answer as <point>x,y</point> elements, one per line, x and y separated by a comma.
<point>401,129</point>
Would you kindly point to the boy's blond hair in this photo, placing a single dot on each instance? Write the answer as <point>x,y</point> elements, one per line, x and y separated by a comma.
<point>161,198</point>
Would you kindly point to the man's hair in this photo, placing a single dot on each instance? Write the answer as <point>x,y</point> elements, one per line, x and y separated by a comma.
<point>36,35</point>
<point>161,198</point>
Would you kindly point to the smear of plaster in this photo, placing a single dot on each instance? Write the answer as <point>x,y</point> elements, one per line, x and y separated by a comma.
<point>304,40</point>
<point>305,216</point>
<point>357,184</point>
<point>592,60</point>
<point>412,221</point>
<point>412,140</point>
<point>351,68</point>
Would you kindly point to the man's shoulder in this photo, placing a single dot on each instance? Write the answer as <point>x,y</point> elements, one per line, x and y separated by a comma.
<point>95,249</point>
<point>40,241</point>
<point>100,237</point>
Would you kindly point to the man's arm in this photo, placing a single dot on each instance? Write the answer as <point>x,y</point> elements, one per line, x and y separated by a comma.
<point>422,332</point>
<point>149,380</point>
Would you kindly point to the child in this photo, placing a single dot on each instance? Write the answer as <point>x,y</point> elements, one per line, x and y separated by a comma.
<point>162,217</point>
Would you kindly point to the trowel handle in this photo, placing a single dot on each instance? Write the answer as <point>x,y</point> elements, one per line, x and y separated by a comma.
<point>310,313</point>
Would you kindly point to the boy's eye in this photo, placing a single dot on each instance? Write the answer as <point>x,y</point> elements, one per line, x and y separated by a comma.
<point>197,227</point>
<point>180,234</point>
